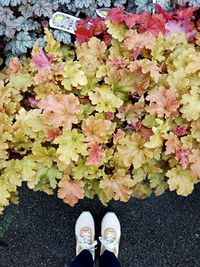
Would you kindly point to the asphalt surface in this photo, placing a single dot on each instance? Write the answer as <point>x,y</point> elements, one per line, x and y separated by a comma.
<point>156,232</point>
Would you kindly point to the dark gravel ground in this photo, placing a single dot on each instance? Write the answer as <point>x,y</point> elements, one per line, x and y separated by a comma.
<point>157,232</point>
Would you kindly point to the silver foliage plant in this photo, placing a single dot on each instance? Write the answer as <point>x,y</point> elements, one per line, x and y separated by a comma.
<point>22,22</point>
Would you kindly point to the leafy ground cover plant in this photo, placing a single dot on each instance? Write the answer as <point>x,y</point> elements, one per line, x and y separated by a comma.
<point>117,115</point>
<point>22,22</point>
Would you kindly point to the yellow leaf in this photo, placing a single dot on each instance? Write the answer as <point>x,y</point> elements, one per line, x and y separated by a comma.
<point>132,150</point>
<point>181,180</point>
<point>195,129</point>
<point>105,99</point>
<point>190,104</point>
<point>91,54</point>
<point>71,146</point>
<point>52,46</point>
<point>73,76</point>
<point>117,31</point>
<point>43,155</point>
<point>96,130</point>
<point>21,81</point>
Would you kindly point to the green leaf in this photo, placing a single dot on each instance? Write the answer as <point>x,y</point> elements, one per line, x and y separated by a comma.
<point>49,175</point>
<point>21,81</point>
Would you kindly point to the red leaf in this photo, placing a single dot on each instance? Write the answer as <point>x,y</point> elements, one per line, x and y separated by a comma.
<point>51,134</point>
<point>160,10</point>
<point>185,13</point>
<point>107,38</point>
<point>152,23</point>
<point>130,20</point>
<point>99,26</point>
<point>83,34</point>
<point>180,130</point>
<point>116,15</point>
<point>88,28</point>
<point>182,155</point>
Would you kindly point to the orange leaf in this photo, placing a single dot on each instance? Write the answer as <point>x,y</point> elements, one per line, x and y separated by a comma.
<point>172,144</point>
<point>15,65</point>
<point>95,154</point>
<point>118,186</point>
<point>195,159</point>
<point>96,130</point>
<point>163,101</point>
<point>146,66</point>
<point>60,110</point>
<point>135,40</point>
<point>70,191</point>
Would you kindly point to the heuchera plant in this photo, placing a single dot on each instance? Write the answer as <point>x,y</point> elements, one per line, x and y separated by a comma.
<point>117,116</point>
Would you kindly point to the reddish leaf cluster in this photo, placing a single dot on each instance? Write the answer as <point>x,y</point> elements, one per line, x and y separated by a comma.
<point>90,27</point>
<point>144,22</point>
<point>117,15</point>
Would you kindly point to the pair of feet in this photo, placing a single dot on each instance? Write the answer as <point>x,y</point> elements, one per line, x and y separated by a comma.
<point>85,233</point>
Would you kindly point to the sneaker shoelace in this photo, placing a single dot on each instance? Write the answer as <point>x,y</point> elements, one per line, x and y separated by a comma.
<point>109,243</point>
<point>84,242</point>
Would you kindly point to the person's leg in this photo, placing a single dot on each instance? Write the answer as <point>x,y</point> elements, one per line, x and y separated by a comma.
<point>110,238</point>
<point>85,243</point>
<point>108,259</point>
<point>84,259</point>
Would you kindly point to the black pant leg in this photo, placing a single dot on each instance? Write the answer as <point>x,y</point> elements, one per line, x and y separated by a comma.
<point>84,259</point>
<point>108,259</point>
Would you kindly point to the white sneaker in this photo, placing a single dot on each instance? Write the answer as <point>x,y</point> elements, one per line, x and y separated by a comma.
<point>110,233</point>
<point>85,233</point>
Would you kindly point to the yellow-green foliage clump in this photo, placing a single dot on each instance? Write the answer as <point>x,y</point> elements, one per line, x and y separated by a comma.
<point>95,119</point>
